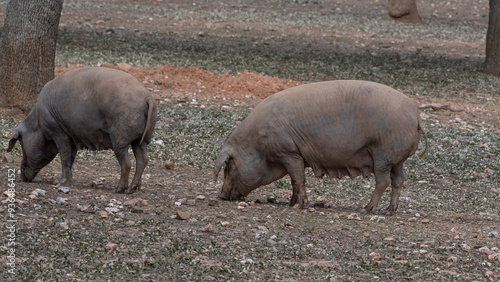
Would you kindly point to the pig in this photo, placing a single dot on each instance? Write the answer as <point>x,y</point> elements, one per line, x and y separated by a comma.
<point>93,108</point>
<point>338,128</point>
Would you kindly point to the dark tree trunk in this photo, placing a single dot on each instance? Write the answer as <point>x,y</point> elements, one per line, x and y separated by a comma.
<point>404,11</point>
<point>27,50</point>
<point>492,63</point>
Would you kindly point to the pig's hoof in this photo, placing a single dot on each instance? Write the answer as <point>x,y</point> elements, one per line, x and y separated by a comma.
<point>131,189</point>
<point>120,189</point>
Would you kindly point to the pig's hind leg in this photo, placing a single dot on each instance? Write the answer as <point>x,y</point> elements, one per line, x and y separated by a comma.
<point>141,156</point>
<point>125,165</point>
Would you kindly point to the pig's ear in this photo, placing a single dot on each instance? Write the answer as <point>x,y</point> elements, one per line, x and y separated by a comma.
<point>13,140</point>
<point>16,136</point>
<point>223,157</point>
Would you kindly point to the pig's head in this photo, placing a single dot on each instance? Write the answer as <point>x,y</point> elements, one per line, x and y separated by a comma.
<point>37,150</point>
<point>241,174</point>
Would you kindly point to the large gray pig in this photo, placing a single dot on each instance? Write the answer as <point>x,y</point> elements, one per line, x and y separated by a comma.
<point>338,128</point>
<point>92,108</point>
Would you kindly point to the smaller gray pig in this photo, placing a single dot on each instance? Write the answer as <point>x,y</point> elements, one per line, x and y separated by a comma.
<point>338,128</point>
<point>90,108</point>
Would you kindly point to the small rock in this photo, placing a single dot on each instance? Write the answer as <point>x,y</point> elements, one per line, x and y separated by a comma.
<point>242,204</point>
<point>213,203</point>
<point>63,189</point>
<point>485,250</point>
<point>144,203</point>
<point>494,234</point>
<point>103,214</point>
<point>86,208</point>
<point>200,197</point>
<point>129,222</point>
<point>111,246</point>
<point>183,215</point>
<point>225,224</point>
<point>494,256</point>
<point>32,196</point>
<point>169,165</point>
<point>425,221</point>
<point>132,202</point>
<point>452,258</point>
<point>209,228</point>
<point>237,242</point>
<point>63,225</point>
<point>191,202</point>
<point>375,256</point>
<point>40,192</point>
<point>177,204</point>
<point>112,210</point>
<point>488,273</point>
<point>465,247</point>
<point>389,238</point>
<point>311,209</point>
<point>61,200</point>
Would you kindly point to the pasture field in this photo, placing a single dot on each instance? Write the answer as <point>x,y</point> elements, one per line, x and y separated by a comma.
<point>209,63</point>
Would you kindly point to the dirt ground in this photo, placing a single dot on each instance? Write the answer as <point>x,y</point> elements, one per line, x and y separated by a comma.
<point>175,228</point>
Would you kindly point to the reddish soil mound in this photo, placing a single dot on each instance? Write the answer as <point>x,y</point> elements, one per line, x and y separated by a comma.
<point>170,80</point>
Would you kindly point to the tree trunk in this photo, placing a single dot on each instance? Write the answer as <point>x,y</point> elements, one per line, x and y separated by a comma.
<point>404,11</point>
<point>492,63</point>
<point>27,50</point>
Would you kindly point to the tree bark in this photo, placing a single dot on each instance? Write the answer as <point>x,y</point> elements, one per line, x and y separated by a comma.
<point>27,50</point>
<point>492,63</point>
<point>404,11</point>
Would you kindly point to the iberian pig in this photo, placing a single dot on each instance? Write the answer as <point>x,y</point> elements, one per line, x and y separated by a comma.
<point>338,128</point>
<point>90,108</point>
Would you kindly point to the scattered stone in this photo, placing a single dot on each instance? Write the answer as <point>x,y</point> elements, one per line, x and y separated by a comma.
<point>389,238</point>
<point>32,196</point>
<point>494,234</point>
<point>86,208</point>
<point>177,204</point>
<point>375,256</point>
<point>112,210</point>
<point>485,250</point>
<point>225,224</point>
<point>465,247</point>
<point>311,209</point>
<point>353,216</point>
<point>191,202</point>
<point>132,202</point>
<point>494,256</point>
<point>61,200</point>
<point>183,215</point>
<point>169,165</point>
<point>412,219</point>
<point>39,192</point>
<point>488,273</point>
<point>129,222</point>
<point>111,246</point>
<point>242,204</point>
<point>200,197</point>
<point>63,189</point>
<point>320,202</point>
<point>209,228</point>
<point>377,218</point>
<point>237,242</point>
<point>63,225</point>
<point>144,203</point>
<point>103,214</point>
<point>452,259</point>
<point>213,203</point>
<point>425,221</point>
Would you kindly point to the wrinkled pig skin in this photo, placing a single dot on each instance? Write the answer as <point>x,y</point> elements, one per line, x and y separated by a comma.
<point>89,108</point>
<point>338,128</point>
